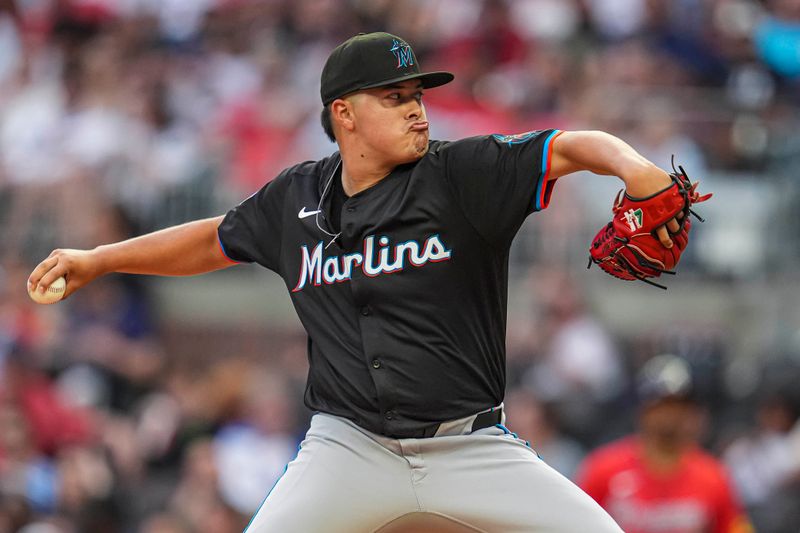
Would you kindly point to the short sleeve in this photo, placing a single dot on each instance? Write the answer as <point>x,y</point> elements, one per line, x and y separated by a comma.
<point>501,179</point>
<point>251,231</point>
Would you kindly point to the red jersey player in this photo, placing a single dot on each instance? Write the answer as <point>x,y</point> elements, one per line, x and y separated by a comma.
<point>659,480</point>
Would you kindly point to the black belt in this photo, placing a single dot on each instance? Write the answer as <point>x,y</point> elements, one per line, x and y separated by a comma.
<point>488,419</point>
<point>483,420</point>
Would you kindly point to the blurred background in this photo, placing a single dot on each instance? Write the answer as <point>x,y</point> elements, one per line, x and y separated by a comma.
<point>172,405</point>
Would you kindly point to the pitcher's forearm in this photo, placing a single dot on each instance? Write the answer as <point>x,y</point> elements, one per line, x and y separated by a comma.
<point>602,153</point>
<point>184,250</point>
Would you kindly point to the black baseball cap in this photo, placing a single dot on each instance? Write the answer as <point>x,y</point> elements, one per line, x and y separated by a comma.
<point>372,60</point>
<point>664,377</point>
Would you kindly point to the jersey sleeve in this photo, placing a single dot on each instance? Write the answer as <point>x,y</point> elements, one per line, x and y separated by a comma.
<point>501,179</point>
<point>251,231</point>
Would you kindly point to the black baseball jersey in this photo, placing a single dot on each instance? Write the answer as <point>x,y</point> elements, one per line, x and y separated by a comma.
<point>405,308</point>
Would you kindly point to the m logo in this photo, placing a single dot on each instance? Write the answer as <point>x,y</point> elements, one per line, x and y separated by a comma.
<point>402,52</point>
<point>634,218</point>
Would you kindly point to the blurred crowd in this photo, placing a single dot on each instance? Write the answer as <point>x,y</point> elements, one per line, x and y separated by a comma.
<point>123,116</point>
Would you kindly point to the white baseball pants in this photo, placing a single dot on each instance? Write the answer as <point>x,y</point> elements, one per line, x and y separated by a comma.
<point>348,480</point>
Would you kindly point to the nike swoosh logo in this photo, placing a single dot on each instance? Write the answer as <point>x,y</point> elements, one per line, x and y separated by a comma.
<point>305,214</point>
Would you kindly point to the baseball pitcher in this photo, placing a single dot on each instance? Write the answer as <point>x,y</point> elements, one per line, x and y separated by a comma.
<point>395,253</point>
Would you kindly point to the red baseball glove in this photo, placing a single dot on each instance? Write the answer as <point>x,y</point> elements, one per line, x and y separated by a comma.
<point>628,247</point>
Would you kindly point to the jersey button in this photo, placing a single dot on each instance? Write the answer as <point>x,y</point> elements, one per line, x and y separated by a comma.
<point>376,364</point>
<point>351,209</point>
<point>389,415</point>
<point>366,311</point>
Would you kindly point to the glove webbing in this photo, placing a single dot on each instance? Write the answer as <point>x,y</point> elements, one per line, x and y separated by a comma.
<point>624,263</point>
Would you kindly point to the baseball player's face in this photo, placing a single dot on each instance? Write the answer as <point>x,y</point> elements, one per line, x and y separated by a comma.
<point>673,422</point>
<point>391,120</point>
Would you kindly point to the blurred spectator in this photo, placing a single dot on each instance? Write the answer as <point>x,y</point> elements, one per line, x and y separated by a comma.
<point>197,499</point>
<point>580,369</point>
<point>14,512</point>
<point>765,464</point>
<point>197,491</point>
<point>87,485</point>
<point>535,422</point>
<point>661,140</point>
<point>617,19</point>
<point>659,479</point>
<point>777,38</point>
<point>24,471</point>
<point>252,453</point>
<point>52,424</point>
<point>546,20</point>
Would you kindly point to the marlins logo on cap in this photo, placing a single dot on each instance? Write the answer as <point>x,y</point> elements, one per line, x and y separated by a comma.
<point>403,53</point>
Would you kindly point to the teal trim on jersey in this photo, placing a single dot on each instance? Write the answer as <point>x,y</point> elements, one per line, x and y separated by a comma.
<point>285,468</point>
<point>527,443</point>
<point>507,431</point>
<point>542,185</point>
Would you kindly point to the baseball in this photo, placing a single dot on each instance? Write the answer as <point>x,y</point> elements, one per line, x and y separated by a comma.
<point>53,293</point>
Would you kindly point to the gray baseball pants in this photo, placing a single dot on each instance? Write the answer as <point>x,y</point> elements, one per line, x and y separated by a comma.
<point>348,480</point>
